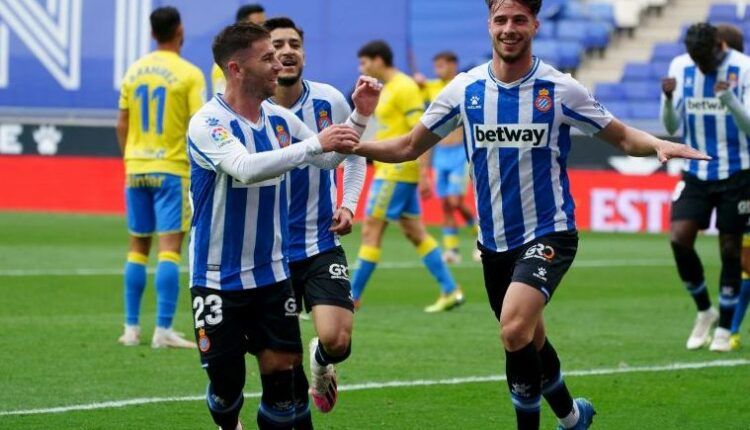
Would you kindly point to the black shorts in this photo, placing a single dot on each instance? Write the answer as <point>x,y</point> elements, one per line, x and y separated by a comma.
<point>323,280</point>
<point>695,200</point>
<point>540,264</point>
<point>232,323</point>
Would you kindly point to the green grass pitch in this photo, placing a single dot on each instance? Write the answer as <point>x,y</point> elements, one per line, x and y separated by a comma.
<point>620,307</point>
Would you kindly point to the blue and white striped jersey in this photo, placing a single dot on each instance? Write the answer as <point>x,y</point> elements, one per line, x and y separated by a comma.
<point>239,232</point>
<point>313,191</point>
<point>706,123</point>
<point>517,139</point>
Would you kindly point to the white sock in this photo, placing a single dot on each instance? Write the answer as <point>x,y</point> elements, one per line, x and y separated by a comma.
<point>572,419</point>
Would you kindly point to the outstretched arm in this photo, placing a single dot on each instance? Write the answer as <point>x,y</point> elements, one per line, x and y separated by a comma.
<point>641,144</point>
<point>397,150</point>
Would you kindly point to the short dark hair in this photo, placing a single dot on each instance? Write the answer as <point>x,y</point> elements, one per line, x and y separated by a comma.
<point>534,5</point>
<point>236,37</point>
<point>244,11</point>
<point>283,22</point>
<point>375,49</point>
<point>732,36</point>
<point>164,23</point>
<point>448,56</point>
<point>701,35</point>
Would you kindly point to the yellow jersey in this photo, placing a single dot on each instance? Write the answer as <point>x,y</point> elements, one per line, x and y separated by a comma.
<point>398,111</point>
<point>160,91</point>
<point>218,81</point>
<point>432,88</point>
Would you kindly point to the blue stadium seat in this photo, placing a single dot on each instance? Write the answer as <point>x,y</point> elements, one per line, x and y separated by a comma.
<point>666,51</point>
<point>575,31</point>
<point>602,11</point>
<point>551,9</point>
<point>723,12</point>
<point>609,92</point>
<point>548,51</point>
<point>547,30</point>
<point>659,69</point>
<point>598,34</point>
<point>617,108</point>
<point>644,110</point>
<point>635,72</point>
<point>571,54</point>
<point>641,91</point>
<point>574,10</point>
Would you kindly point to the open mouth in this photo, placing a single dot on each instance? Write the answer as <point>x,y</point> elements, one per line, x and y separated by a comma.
<point>288,62</point>
<point>510,42</point>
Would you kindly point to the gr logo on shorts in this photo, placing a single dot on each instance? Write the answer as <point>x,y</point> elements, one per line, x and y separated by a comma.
<point>540,251</point>
<point>339,271</point>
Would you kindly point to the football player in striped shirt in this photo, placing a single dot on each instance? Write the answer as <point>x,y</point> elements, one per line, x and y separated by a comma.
<point>318,265</point>
<point>516,114</point>
<point>449,162</point>
<point>706,94</point>
<point>396,189</point>
<point>241,149</point>
<point>254,13</point>
<point>159,94</point>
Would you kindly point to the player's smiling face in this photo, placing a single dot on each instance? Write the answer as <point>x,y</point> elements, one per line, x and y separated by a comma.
<point>257,69</point>
<point>512,27</point>
<point>290,52</point>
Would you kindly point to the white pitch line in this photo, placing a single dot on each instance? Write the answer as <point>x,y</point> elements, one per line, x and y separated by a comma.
<point>391,265</point>
<point>674,367</point>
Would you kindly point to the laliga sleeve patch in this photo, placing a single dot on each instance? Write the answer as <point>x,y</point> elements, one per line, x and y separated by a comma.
<point>220,135</point>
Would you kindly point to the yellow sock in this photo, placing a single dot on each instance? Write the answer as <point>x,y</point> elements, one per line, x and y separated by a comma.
<point>137,258</point>
<point>169,256</point>
<point>428,244</point>
<point>369,253</point>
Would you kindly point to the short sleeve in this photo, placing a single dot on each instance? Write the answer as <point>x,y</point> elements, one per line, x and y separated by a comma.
<point>411,103</point>
<point>444,113</point>
<point>210,142</point>
<point>197,92</point>
<point>581,110</point>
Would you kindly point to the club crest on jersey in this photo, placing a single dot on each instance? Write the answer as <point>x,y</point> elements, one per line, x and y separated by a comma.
<point>221,136</point>
<point>732,78</point>
<point>204,344</point>
<point>282,136</point>
<point>543,102</point>
<point>324,119</point>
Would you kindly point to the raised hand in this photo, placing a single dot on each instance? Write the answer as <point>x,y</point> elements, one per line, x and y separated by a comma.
<point>366,95</point>
<point>339,138</point>
<point>668,86</point>
<point>721,86</point>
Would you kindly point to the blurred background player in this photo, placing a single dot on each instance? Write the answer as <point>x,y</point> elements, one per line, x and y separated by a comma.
<point>703,86</point>
<point>732,36</point>
<point>449,162</point>
<point>159,94</point>
<point>241,150</point>
<point>516,113</point>
<point>254,13</point>
<point>396,189</point>
<point>317,261</point>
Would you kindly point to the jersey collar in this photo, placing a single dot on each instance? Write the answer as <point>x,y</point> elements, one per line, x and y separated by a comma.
<point>297,105</point>
<point>261,121</point>
<point>534,66</point>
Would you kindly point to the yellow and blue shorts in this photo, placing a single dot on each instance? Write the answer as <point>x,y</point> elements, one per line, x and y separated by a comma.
<point>157,203</point>
<point>393,200</point>
<point>449,163</point>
